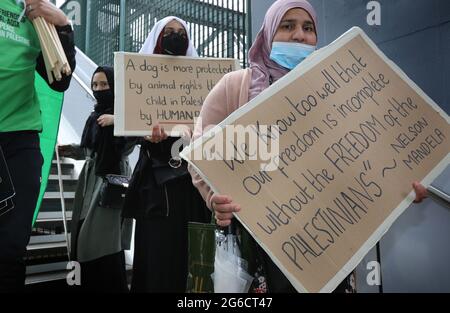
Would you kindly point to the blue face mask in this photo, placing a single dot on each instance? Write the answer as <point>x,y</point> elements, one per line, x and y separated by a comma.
<point>290,54</point>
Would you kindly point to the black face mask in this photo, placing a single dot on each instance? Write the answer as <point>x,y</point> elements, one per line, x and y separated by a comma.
<point>105,100</point>
<point>175,44</point>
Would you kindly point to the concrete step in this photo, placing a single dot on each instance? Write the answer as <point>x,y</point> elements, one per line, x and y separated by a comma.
<point>53,216</point>
<point>42,273</point>
<point>47,242</point>
<point>63,177</point>
<point>45,277</point>
<point>56,195</point>
<point>47,227</point>
<point>62,161</point>
<point>46,252</point>
<point>66,168</point>
<point>68,185</point>
<point>54,204</point>
<point>46,256</point>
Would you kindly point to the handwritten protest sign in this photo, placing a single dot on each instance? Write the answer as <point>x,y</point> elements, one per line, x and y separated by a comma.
<point>353,132</point>
<point>164,90</point>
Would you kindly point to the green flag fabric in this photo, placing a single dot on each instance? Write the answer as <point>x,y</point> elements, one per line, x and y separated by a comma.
<point>51,103</point>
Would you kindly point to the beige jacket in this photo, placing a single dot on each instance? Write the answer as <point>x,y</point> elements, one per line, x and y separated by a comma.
<point>230,93</point>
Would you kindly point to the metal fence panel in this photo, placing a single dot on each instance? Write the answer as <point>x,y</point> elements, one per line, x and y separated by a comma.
<point>219,28</point>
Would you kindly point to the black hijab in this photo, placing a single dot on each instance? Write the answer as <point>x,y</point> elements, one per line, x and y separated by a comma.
<point>101,140</point>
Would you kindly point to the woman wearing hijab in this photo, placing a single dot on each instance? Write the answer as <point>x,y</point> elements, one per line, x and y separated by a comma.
<point>161,196</point>
<point>287,37</point>
<point>99,234</point>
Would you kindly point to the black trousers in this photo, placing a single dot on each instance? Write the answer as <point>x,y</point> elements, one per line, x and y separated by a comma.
<point>161,242</point>
<point>105,275</point>
<point>24,159</point>
<point>160,254</point>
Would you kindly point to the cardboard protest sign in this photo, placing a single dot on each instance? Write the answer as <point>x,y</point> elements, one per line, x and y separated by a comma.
<point>164,90</point>
<point>353,132</point>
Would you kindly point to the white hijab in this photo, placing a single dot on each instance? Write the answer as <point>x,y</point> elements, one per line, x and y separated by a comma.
<point>150,42</point>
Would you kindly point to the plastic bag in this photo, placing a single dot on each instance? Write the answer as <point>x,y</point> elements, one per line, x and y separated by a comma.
<point>230,270</point>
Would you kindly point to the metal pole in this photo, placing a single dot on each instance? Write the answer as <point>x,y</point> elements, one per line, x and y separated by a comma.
<point>439,196</point>
<point>63,204</point>
<point>380,287</point>
<point>123,25</point>
<point>88,26</point>
<point>248,34</point>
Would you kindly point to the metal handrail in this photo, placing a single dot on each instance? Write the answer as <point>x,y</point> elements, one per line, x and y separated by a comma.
<point>439,195</point>
<point>63,204</point>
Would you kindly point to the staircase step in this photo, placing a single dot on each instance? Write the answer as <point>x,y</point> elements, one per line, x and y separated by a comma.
<point>46,257</point>
<point>63,161</point>
<point>47,245</point>
<point>45,268</point>
<point>47,242</point>
<point>54,204</point>
<point>46,254</point>
<point>53,216</point>
<point>68,185</point>
<point>63,177</point>
<point>56,195</point>
<point>46,272</point>
<point>66,168</point>
<point>45,277</point>
<point>46,227</point>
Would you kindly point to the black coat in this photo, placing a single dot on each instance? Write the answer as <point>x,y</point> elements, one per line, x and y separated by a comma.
<point>154,182</point>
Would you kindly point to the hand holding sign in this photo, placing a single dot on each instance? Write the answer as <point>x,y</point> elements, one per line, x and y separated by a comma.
<point>420,190</point>
<point>158,134</point>
<point>224,207</point>
<point>352,132</point>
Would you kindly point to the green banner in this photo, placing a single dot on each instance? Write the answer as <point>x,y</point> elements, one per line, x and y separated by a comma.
<point>51,105</point>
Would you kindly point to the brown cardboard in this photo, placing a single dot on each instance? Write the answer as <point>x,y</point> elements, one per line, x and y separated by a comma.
<point>332,214</point>
<point>164,90</point>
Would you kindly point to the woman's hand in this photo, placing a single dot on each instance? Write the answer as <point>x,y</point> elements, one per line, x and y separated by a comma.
<point>420,190</point>
<point>47,10</point>
<point>224,207</point>
<point>105,120</point>
<point>158,135</point>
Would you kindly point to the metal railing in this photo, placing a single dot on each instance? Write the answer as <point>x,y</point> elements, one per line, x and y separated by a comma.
<point>219,28</point>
